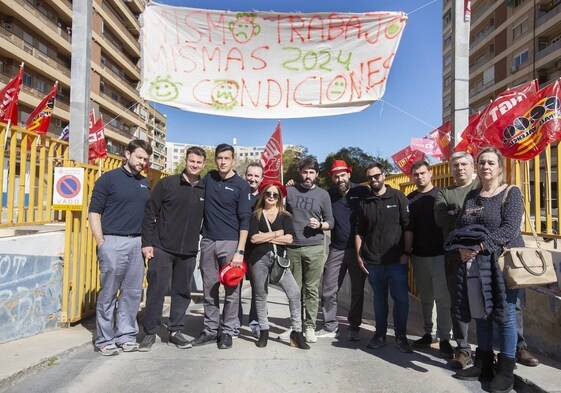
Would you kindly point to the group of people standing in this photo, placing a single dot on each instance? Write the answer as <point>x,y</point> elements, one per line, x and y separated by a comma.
<point>375,232</point>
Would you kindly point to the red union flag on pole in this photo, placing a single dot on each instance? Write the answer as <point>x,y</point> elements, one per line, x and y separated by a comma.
<point>271,159</point>
<point>405,158</point>
<point>427,145</point>
<point>9,99</point>
<point>97,148</point>
<point>40,119</point>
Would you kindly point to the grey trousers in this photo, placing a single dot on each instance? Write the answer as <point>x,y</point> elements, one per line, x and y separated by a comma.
<point>260,275</point>
<point>214,255</point>
<point>121,267</point>
<point>430,279</point>
<point>336,266</point>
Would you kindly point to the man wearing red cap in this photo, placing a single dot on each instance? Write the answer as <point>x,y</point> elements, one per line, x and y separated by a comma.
<point>342,255</point>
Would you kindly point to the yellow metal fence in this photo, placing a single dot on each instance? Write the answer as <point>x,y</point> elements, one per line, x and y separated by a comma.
<point>27,163</point>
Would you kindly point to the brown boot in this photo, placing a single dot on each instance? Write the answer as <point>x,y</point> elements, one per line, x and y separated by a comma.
<point>482,369</point>
<point>523,356</point>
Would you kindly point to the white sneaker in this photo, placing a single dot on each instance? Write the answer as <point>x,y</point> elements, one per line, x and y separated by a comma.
<point>327,334</point>
<point>285,336</point>
<point>311,335</point>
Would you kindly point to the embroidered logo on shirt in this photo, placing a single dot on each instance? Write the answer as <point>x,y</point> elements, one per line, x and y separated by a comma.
<point>353,197</point>
<point>143,186</point>
<point>228,188</point>
<point>390,206</point>
<point>201,199</point>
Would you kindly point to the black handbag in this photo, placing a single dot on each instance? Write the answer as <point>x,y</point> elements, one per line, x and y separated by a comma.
<point>280,264</point>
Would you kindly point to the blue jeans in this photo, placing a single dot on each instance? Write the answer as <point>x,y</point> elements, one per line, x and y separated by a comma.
<point>394,278</point>
<point>508,334</point>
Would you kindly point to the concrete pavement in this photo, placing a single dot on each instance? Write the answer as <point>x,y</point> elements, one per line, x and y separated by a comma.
<point>64,361</point>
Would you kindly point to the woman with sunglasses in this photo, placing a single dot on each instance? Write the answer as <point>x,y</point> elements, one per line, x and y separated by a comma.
<point>498,209</point>
<point>271,224</point>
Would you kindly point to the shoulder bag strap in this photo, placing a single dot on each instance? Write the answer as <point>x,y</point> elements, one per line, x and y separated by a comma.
<point>526,214</point>
<point>270,230</point>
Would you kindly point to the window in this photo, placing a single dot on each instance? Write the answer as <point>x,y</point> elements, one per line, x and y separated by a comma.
<point>447,41</point>
<point>447,18</point>
<point>447,60</point>
<point>42,48</point>
<point>489,75</point>
<point>28,38</point>
<point>520,59</point>
<point>520,29</point>
<point>41,86</point>
<point>27,79</point>
<point>448,81</point>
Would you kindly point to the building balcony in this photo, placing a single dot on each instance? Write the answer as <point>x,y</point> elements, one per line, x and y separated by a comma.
<point>119,131</point>
<point>483,60</point>
<point>132,20</point>
<point>481,8</point>
<point>554,11</point>
<point>53,28</point>
<point>117,54</point>
<point>480,88</point>
<point>37,54</point>
<point>480,37</point>
<point>548,50</point>
<point>118,24</point>
<point>119,82</point>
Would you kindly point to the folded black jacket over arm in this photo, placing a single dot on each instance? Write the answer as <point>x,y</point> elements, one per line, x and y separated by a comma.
<point>492,282</point>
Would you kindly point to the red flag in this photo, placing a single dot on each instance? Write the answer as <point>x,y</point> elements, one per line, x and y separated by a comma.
<point>271,159</point>
<point>97,148</point>
<point>9,99</point>
<point>441,136</point>
<point>405,158</point>
<point>469,142</point>
<point>40,119</point>
<point>427,145</point>
<point>525,134</point>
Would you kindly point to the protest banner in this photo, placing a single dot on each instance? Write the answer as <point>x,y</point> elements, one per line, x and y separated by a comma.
<point>267,64</point>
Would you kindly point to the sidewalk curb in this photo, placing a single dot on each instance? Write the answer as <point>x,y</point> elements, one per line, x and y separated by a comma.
<point>39,365</point>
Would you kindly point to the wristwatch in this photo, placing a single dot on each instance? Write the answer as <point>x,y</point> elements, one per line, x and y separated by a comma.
<point>240,251</point>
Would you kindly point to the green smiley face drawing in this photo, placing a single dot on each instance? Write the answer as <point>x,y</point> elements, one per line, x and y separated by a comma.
<point>164,89</point>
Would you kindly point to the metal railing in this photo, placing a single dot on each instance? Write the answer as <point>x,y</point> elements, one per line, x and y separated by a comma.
<point>554,11</point>
<point>548,50</point>
<point>27,191</point>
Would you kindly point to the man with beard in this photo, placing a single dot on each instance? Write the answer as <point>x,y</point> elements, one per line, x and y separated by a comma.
<point>382,217</point>
<point>225,229</point>
<point>311,213</point>
<point>345,197</point>
<point>423,242</point>
<point>115,216</point>
<point>170,241</point>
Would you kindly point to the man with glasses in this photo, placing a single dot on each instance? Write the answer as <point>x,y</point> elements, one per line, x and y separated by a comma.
<point>382,218</point>
<point>310,207</point>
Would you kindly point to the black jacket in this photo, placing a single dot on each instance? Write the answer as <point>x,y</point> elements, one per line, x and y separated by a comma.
<point>381,221</point>
<point>173,216</point>
<point>491,278</point>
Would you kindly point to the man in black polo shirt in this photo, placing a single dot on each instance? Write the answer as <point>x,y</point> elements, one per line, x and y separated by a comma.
<point>115,216</point>
<point>170,240</point>
<point>225,228</point>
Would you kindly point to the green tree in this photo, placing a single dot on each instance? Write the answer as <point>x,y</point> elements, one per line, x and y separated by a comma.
<point>290,160</point>
<point>357,159</point>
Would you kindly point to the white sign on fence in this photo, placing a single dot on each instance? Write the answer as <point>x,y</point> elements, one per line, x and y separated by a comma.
<point>68,189</point>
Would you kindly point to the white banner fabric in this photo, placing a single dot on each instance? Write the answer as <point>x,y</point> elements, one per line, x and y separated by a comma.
<point>266,64</point>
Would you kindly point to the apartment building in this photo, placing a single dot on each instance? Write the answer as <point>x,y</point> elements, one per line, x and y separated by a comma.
<point>39,33</point>
<point>511,42</point>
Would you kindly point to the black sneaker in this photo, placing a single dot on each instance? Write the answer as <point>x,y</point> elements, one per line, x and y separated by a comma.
<point>376,342</point>
<point>203,339</point>
<point>225,342</point>
<point>423,342</point>
<point>179,340</point>
<point>402,344</point>
<point>146,344</point>
<point>446,349</point>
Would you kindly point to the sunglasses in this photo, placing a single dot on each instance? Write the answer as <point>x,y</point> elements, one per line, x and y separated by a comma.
<point>273,195</point>
<point>375,177</point>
